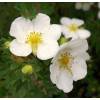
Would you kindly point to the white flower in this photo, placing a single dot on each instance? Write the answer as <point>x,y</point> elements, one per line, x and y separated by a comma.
<point>71,28</point>
<point>37,36</point>
<point>69,64</point>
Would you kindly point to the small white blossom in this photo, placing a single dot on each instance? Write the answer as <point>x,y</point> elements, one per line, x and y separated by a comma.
<point>83,5</point>
<point>37,36</point>
<point>71,28</point>
<point>69,64</point>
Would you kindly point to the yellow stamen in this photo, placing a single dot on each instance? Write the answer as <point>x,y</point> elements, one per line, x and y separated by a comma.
<point>34,39</point>
<point>73,27</point>
<point>65,61</point>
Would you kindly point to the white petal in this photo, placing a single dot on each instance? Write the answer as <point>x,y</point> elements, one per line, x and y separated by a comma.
<point>78,22</point>
<point>54,32</point>
<point>75,47</point>
<point>54,72</point>
<point>65,81</point>
<point>75,36</point>
<point>20,49</point>
<point>84,55</point>
<point>65,21</point>
<point>84,34</point>
<point>79,69</point>
<point>20,27</point>
<point>47,50</point>
<point>41,23</point>
<point>68,21</point>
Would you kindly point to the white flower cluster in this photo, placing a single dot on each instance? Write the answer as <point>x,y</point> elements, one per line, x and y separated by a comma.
<point>85,6</point>
<point>39,37</point>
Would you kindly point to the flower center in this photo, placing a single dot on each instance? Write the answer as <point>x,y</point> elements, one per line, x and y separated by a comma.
<point>34,39</point>
<point>65,61</point>
<point>73,27</point>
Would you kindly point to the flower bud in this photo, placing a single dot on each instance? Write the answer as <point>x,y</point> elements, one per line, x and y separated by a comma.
<point>62,40</point>
<point>27,69</point>
<point>7,44</point>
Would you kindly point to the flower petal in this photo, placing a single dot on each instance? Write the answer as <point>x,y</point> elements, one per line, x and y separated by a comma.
<point>78,22</point>
<point>41,23</point>
<point>47,50</point>
<point>65,81</point>
<point>75,47</point>
<point>84,55</point>
<point>68,21</point>
<point>54,32</point>
<point>54,72</point>
<point>20,27</point>
<point>75,36</point>
<point>79,68</point>
<point>20,49</point>
<point>84,34</point>
<point>65,21</point>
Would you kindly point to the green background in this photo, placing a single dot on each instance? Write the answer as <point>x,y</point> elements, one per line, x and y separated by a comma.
<point>13,83</point>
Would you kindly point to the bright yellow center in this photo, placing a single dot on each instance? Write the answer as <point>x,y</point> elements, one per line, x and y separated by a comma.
<point>65,61</point>
<point>73,27</point>
<point>34,39</point>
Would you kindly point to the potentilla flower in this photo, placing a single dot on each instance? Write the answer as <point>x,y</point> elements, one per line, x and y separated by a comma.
<point>69,64</point>
<point>37,36</point>
<point>71,28</point>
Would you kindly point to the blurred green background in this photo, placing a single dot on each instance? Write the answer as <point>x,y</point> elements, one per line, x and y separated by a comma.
<point>13,83</point>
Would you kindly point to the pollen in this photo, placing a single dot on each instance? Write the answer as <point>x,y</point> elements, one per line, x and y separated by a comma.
<point>73,27</point>
<point>34,39</point>
<point>65,61</point>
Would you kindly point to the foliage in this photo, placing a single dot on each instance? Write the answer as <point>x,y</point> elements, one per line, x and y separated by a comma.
<point>13,83</point>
